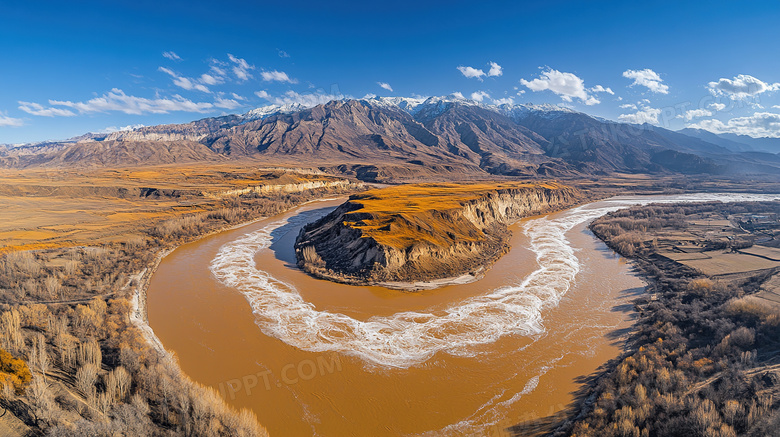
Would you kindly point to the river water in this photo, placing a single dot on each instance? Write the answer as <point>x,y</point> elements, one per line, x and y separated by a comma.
<point>312,357</point>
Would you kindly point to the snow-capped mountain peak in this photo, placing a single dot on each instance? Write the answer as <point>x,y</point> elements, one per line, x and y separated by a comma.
<point>269,110</point>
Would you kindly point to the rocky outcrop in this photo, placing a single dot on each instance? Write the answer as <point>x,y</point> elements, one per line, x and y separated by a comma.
<point>193,131</point>
<point>266,189</point>
<point>424,232</point>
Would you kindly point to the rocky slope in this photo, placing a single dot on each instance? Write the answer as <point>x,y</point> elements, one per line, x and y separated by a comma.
<point>422,232</point>
<point>358,131</point>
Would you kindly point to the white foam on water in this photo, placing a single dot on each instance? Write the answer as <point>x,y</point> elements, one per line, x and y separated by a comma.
<point>409,338</point>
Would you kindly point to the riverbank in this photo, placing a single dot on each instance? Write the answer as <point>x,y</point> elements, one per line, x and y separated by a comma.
<point>704,358</point>
<point>572,332</point>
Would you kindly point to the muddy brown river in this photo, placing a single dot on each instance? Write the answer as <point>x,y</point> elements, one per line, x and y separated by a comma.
<point>312,357</point>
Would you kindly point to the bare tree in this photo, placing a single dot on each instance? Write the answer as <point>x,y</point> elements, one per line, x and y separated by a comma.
<point>118,383</point>
<point>103,402</point>
<point>89,352</point>
<point>53,286</point>
<point>86,377</point>
<point>41,399</point>
<point>39,357</point>
<point>11,331</point>
<point>66,345</point>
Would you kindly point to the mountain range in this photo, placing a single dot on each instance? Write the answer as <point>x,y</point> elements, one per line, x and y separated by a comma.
<point>389,138</point>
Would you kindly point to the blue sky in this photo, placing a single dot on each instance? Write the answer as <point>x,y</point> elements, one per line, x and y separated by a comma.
<point>73,67</point>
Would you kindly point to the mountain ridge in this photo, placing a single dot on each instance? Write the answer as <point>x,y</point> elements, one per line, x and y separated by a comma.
<point>437,135</point>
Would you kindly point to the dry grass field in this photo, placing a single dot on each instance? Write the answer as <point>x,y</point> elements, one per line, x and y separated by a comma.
<point>716,263</point>
<point>711,243</point>
<point>76,248</point>
<point>49,209</point>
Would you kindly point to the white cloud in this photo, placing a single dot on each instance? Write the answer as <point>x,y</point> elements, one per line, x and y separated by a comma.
<point>495,70</point>
<point>695,113</point>
<point>458,95</point>
<point>226,103</point>
<point>717,106</point>
<point>209,79</point>
<point>9,121</point>
<point>237,97</point>
<point>308,100</point>
<point>628,106</point>
<point>760,124</point>
<point>521,92</point>
<point>283,54</point>
<point>644,115</point>
<point>172,56</point>
<point>566,85</point>
<point>647,78</point>
<point>601,89</point>
<point>218,72</point>
<point>504,101</point>
<point>385,85</point>
<point>241,68</point>
<point>471,72</point>
<point>184,82</point>
<point>263,94</point>
<point>117,100</point>
<point>741,87</point>
<point>278,76</point>
<point>479,95</point>
<point>39,110</point>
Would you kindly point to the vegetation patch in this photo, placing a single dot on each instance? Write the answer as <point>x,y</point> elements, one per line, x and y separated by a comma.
<point>704,359</point>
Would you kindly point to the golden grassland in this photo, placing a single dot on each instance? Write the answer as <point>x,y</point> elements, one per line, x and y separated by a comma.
<point>43,208</point>
<point>405,215</point>
<point>411,198</point>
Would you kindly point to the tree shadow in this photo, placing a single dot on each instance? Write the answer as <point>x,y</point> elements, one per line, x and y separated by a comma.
<point>539,427</point>
<point>561,422</point>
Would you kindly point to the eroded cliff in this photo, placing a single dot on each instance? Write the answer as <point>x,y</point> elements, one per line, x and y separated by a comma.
<point>422,232</point>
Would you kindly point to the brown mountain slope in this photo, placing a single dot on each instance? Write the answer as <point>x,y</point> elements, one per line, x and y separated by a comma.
<point>357,131</point>
<point>484,137</point>
<point>339,129</point>
<point>120,153</point>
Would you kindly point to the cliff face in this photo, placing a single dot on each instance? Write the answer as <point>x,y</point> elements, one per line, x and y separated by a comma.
<point>422,232</point>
